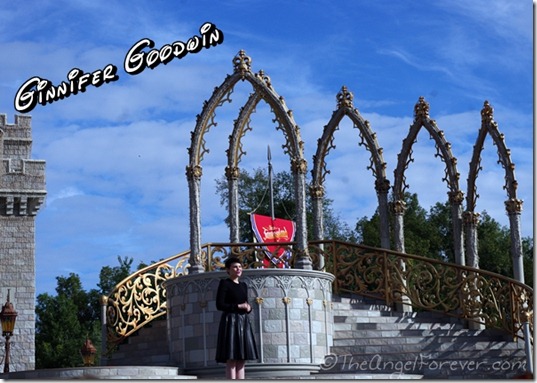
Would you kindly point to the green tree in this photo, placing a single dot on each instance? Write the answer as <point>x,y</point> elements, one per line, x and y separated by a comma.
<point>254,197</point>
<point>417,230</point>
<point>430,234</point>
<point>527,253</point>
<point>334,227</point>
<point>368,230</point>
<point>64,321</point>
<point>109,277</point>
<point>494,245</point>
<point>424,232</point>
<point>441,222</point>
<point>494,249</point>
<point>62,324</point>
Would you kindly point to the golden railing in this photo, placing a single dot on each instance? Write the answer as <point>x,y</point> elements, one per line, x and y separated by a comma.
<point>139,298</point>
<point>429,284</point>
<point>424,283</point>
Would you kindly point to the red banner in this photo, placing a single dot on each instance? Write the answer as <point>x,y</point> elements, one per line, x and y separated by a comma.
<point>267,229</point>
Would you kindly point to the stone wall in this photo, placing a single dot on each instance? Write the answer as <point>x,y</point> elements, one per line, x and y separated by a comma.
<point>291,317</point>
<point>22,192</point>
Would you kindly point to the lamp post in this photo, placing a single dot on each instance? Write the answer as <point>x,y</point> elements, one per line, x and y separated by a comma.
<point>526,315</point>
<point>7,317</point>
<point>88,352</point>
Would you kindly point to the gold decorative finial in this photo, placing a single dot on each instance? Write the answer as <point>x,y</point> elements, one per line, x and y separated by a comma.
<point>242,63</point>
<point>264,77</point>
<point>421,109</point>
<point>344,98</point>
<point>513,205</point>
<point>487,113</point>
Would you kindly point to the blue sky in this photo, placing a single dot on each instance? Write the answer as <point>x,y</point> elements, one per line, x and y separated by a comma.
<point>116,154</point>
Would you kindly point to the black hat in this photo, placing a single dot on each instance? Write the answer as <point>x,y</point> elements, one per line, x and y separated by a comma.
<point>231,261</point>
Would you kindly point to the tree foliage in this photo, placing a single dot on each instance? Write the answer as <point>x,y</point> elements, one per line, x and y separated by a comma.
<point>494,246</point>
<point>426,233</point>
<point>430,234</point>
<point>65,320</point>
<point>109,277</point>
<point>527,253</point>
<point>494,249</point>
<point>254,197</point>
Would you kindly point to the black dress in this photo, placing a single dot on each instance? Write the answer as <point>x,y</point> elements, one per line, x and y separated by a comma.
<point>235,336</point>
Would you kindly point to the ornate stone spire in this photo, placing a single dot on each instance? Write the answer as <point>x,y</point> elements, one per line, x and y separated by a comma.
<point>487,113</point>
<point>344,98</point>
<point>242,63</point>
<point>421,109</point>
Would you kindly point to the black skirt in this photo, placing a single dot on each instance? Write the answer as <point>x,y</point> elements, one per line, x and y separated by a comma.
<point>235,338</point>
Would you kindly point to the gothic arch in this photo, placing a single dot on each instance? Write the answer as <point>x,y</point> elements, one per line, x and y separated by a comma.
<point>513,205</point>
<point>293,147</point>
<point>377,165</point>
<point>234,154</point>
<point>443,150</point>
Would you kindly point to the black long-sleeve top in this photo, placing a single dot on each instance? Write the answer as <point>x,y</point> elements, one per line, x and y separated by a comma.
<point>230,294</point>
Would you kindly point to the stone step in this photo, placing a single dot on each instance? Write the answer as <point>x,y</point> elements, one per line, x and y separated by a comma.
<point>352,376</point>
<point>417,343</point>
<point>436,347</point>
<point>380,319</point>
<point>359,315</point>
<point>401,326</point>
<point>346,306</point>
<point>92,373</point>
<point>362,306</point>
<point>374,345</point>
<point>148,346</point>
<point>396,354</point>
<point>400,333</point>
<point>371,338</point>
<point>355,299</point>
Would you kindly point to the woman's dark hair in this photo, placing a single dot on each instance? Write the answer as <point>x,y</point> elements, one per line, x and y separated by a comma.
<point>231,261</point>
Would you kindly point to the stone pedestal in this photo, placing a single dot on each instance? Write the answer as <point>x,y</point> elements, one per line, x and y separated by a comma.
<point>292,321</point>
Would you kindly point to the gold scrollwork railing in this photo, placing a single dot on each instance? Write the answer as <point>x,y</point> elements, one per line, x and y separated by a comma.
<point>429,284</point>
<point>140,298</point>
<point>424,283</point>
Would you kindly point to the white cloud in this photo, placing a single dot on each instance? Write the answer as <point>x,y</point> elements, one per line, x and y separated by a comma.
<point>116,155</point>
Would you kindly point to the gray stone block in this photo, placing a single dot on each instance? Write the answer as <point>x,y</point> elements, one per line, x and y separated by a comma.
<point>22,192</point>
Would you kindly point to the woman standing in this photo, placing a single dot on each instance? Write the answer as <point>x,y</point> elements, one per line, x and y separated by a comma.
<point>235,343</point>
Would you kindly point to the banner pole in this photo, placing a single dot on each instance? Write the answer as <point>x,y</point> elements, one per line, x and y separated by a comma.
<point>270,183</point>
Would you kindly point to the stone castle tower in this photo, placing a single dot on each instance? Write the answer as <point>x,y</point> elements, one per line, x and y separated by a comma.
<point>22,192</point>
